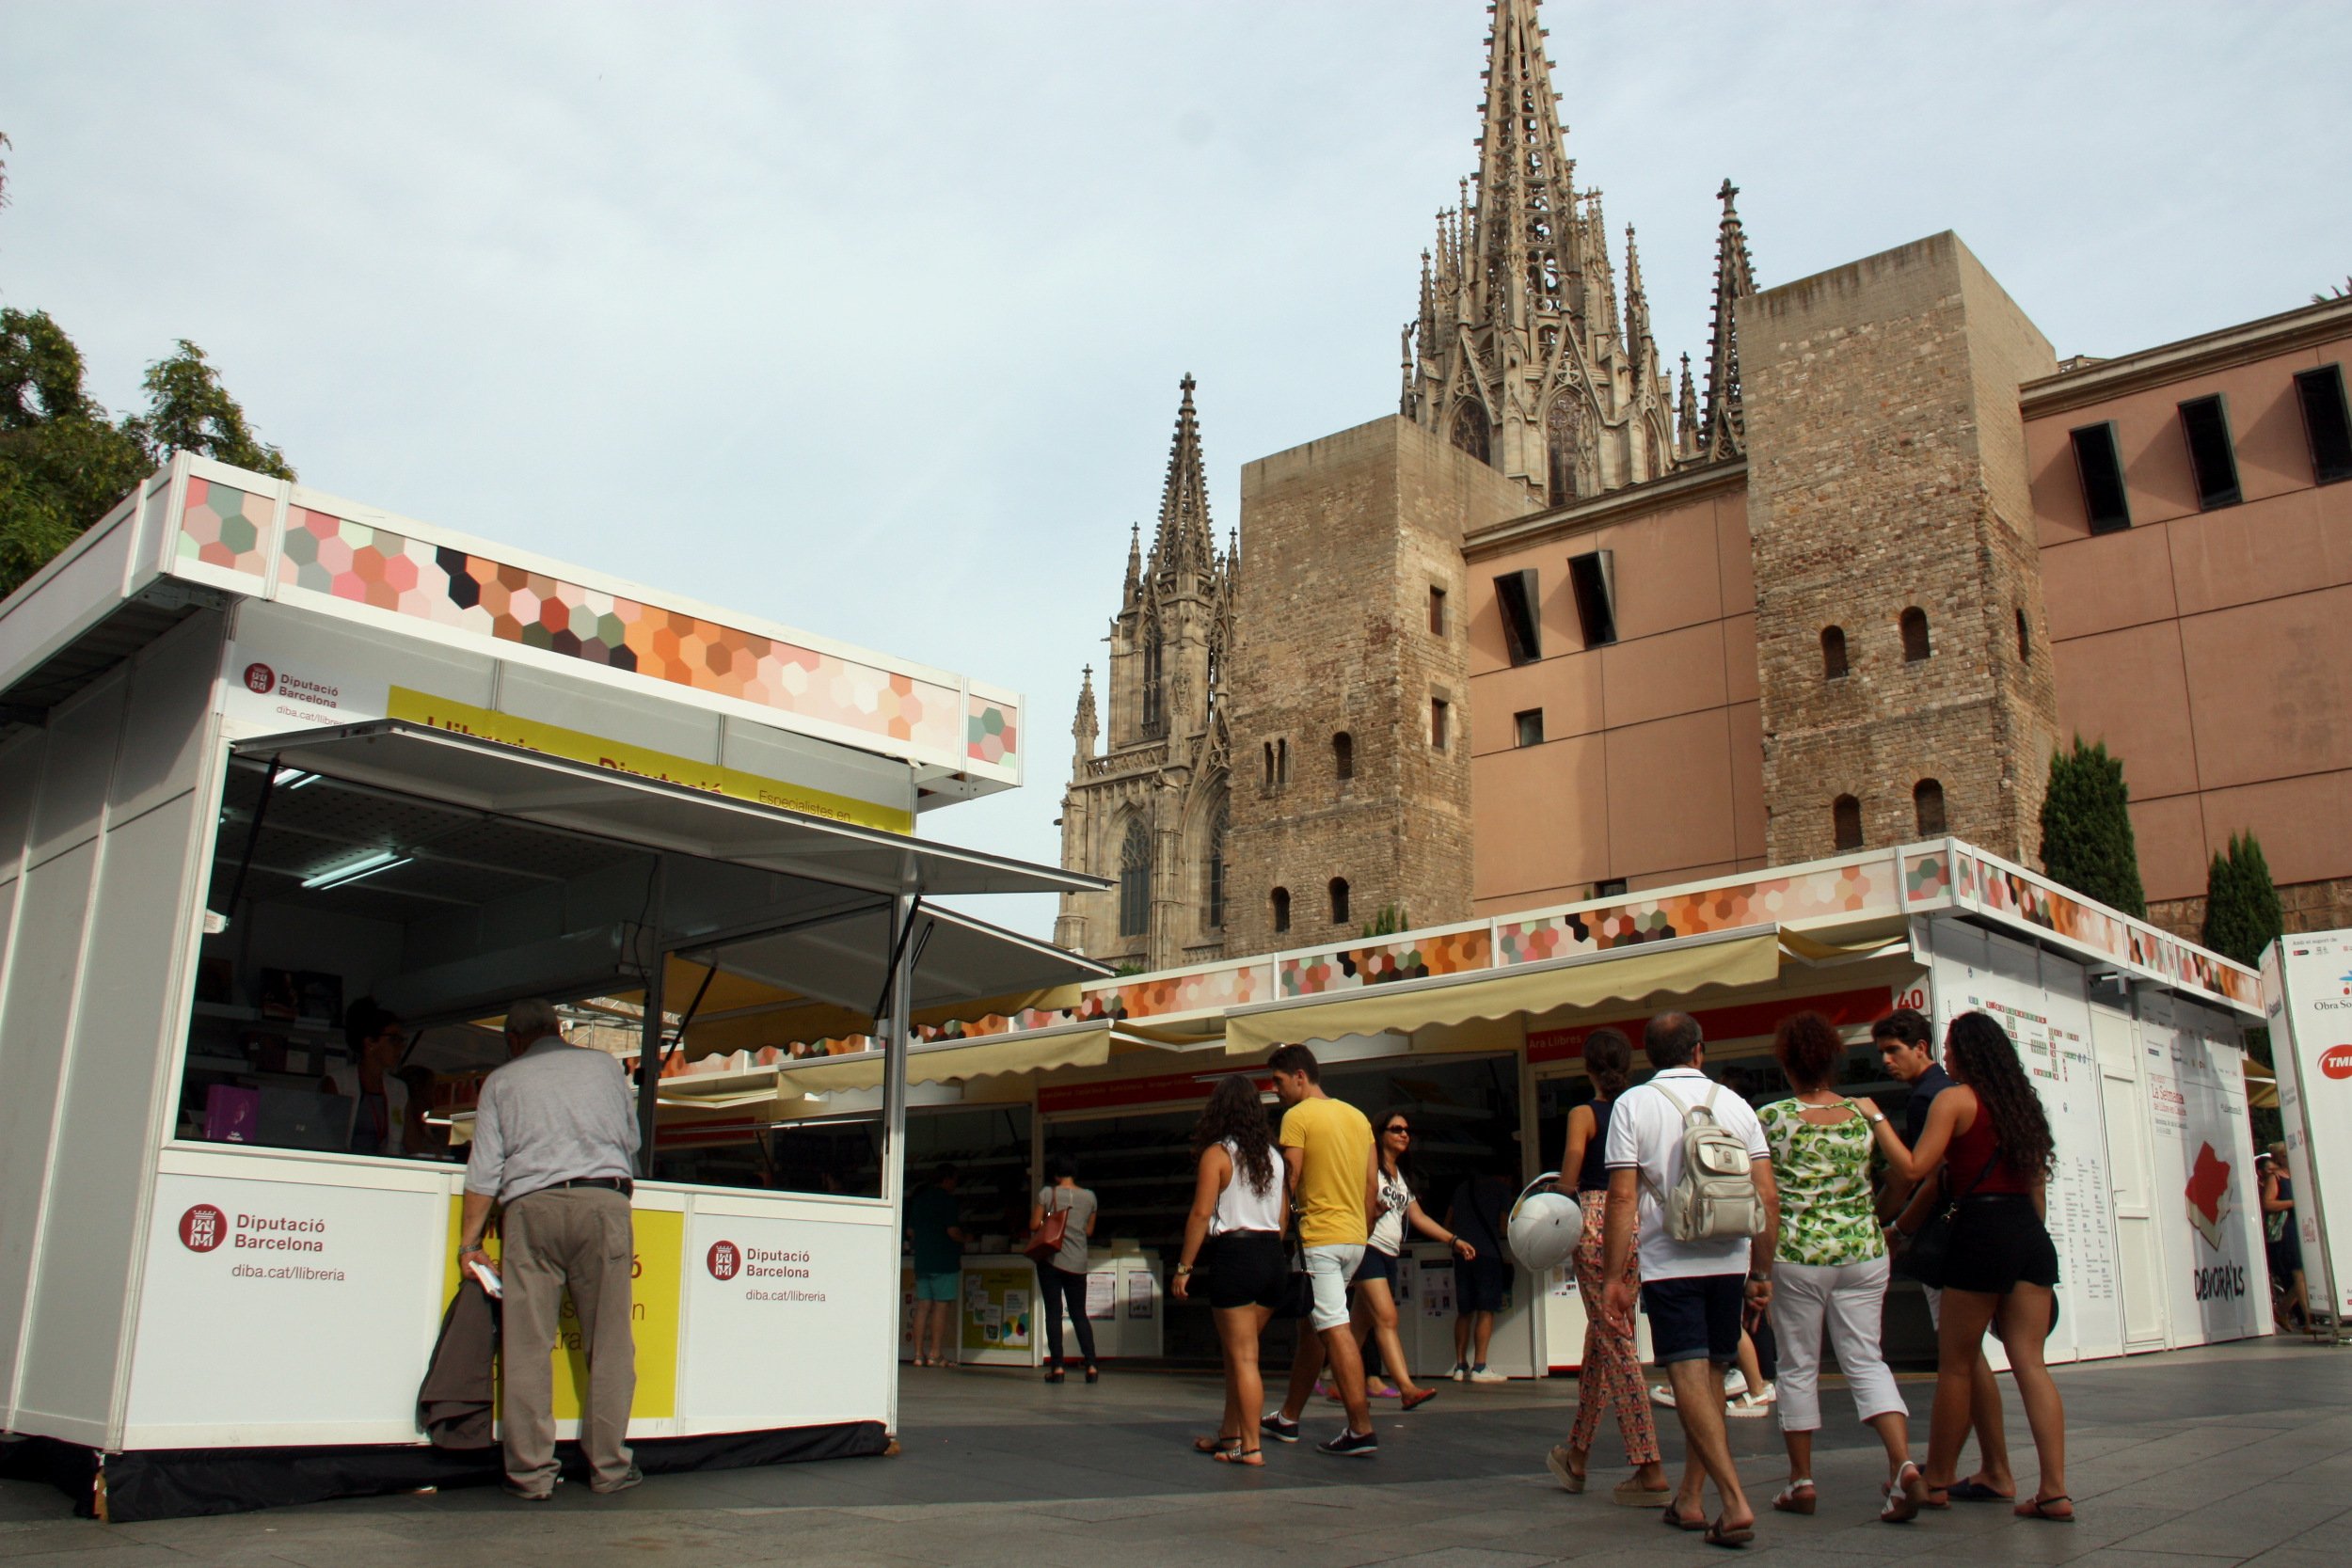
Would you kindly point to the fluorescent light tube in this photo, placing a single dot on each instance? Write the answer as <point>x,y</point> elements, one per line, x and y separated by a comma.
<point>351,871</point>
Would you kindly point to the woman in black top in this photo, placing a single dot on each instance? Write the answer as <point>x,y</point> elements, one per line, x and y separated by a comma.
<point>1611,1376</point>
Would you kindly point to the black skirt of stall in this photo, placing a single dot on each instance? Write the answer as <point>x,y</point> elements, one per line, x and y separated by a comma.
<point>179,1483</point>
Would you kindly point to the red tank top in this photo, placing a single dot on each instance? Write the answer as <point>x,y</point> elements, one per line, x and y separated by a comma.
<point>1965,1161</point>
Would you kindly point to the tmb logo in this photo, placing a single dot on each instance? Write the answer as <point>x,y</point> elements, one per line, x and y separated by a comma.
<point>260,679</point>
<point>2336,1061</point>
<point>203,1227</point>
<point>724,1260</point>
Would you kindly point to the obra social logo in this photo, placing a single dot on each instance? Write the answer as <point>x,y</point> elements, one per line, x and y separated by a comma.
<point>2336,1061</point>
<point>724,1259</point>
<point>203,1227</point>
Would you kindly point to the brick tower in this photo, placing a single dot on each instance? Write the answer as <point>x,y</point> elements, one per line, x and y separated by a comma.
<point>1901,642</point>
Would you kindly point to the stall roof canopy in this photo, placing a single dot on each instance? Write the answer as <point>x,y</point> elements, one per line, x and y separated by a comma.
<point>508,780</point>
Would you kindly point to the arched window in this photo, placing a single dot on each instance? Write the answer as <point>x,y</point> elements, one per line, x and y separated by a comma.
<point>1269,765</point>
<point>1282,908</point>
<point>1471,430</point>
<point>1915,625</point>
<point>1339,900</point>
<point>1154,690</point>
<point>1135,879</point>
<point>1845,814</point>
<point>1927,800</point>
<point>2025,640</point>
<point>1832,652</point>
<point>1344,755</point>
<point>1282,761</point>
<point>1215,871</point>
<point>1560,444</point>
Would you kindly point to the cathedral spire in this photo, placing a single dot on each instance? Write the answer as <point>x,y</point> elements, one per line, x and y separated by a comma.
<point>1722,429</point>
<point>1085,730</point>
<point>1134,565</point>
<point>1636,306</point>
<point>1687,416</point>
<point>1184,543</point>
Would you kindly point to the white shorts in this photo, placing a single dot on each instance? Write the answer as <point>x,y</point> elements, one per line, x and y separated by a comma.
<point>1330,1267</point>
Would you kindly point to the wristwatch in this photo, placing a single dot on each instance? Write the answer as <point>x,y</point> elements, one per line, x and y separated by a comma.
<point>1183,1269</point>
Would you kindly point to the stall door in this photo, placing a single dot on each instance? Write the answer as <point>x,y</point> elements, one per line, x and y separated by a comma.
<point>2139,1256</point>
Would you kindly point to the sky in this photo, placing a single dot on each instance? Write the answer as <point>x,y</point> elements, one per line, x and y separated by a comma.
<point>868,318</point>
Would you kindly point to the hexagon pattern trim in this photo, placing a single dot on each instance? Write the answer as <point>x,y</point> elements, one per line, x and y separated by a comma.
<point>350,560</point>
<point>224,527</point>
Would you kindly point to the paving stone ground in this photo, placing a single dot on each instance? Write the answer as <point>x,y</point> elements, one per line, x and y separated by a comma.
<point>2197,1458</point>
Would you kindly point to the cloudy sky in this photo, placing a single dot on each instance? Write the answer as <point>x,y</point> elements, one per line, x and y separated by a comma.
<point>868,318</point>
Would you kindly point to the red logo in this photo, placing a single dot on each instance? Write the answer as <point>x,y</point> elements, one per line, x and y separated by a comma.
<point>260,679</point>
<point>203,1227</point>
<point>2336,1061</point>
<point>724,1262</point>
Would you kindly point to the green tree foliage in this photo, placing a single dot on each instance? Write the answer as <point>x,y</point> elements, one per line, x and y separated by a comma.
<point>2242,913</point>
<point>1388,921</point>
<point>2087,840</point>
<point>64,460</point>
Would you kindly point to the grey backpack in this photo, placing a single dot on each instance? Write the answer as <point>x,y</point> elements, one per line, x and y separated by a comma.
<point>1715,1197</point>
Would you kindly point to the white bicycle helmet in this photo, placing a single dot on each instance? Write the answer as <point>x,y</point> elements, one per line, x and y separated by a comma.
<point>1545,1226</point>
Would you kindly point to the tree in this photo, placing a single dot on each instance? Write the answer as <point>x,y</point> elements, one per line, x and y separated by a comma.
<point>2087,840</point>
<point>189,410</point>
<point>2242,913</point>
<point>64,460</point>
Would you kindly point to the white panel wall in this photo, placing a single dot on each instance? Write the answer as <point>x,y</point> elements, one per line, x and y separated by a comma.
<point>90,1018</point>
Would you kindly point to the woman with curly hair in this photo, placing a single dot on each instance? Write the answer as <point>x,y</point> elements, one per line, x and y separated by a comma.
<point>1830,1271</point>
<point>1233,1238</point>
<point>1609,1379</point>
<point>1991,1137</point>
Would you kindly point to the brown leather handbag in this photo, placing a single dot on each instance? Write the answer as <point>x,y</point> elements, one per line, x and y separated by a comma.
<point>1046,1242</point>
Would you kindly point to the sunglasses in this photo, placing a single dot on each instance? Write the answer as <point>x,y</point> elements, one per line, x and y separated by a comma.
<point>1406,1131</point>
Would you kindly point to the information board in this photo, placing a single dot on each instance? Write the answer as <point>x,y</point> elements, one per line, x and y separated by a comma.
<point>2307,991</point>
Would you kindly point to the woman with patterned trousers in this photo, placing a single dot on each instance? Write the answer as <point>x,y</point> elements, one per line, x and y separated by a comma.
<point>1610,1379</point>
<point>1832,1266</point>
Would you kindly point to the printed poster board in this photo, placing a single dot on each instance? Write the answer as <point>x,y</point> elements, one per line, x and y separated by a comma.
<point>2307,992</point>
<point>996,1322</point>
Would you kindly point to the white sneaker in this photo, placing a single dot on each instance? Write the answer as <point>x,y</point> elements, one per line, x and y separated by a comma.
<point>1460,1372</point>
<point>1484,1374</point>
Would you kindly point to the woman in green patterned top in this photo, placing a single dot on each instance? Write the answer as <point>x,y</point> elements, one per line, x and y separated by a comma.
<point>1832,1266</point>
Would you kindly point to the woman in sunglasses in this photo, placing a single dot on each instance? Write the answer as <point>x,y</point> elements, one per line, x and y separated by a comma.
<point>1375,1309</point>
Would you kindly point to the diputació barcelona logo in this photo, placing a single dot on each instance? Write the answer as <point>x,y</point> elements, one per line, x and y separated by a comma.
<point>203,1227</point>
<point>724,1260</point>
<point>260,679</point>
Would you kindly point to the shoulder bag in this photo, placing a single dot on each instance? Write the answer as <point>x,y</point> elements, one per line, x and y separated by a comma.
<point>1927,1257</point>
<point>1046,1243</point>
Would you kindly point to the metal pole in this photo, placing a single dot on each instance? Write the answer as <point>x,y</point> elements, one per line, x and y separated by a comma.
<point>649,1044</point>
<point>895,1035</point>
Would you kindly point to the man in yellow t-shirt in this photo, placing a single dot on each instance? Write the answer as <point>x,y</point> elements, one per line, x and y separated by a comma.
<point>1334,1177</point>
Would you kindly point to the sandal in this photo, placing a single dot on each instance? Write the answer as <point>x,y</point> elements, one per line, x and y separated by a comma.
<point>1215,1447</point>
<point>1905,1496</point>
<point>2039,1508</point>
<point>1798,1497</point>
<point>1254,1458</point>
<point>1676,1521</point>
<point>1414,1402</point>
<point>1974,1491</point>
<point>1631,1493</point>
<point>1721,1534</point>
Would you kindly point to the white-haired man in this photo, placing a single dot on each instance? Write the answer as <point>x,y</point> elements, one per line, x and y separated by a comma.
<point>554,1141</point>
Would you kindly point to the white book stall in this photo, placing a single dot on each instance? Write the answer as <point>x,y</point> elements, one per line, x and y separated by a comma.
<point>272,757</point>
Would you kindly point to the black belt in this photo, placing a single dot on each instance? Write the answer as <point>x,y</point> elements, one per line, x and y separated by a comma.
<point>620,1184</point>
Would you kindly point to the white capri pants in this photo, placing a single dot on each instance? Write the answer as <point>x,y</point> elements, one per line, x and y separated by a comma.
<point>1852,1298</point>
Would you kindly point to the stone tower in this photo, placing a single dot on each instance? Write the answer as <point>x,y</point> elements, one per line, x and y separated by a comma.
<point>1905,682</point>
<point>1519,355</point>
<point>1150,811</point>
<point>1351,788</point>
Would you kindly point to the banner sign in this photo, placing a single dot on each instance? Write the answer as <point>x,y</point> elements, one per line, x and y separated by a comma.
<point>2307,992</point>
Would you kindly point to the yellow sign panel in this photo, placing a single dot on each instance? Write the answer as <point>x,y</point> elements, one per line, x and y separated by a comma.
<point>654,1296</point>
<point>422,707</point>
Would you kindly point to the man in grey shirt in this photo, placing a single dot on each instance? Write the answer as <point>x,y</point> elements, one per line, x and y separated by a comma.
<point>554,1138</point>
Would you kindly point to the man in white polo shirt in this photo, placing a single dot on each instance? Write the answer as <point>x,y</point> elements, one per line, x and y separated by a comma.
<point>1695,1293</point>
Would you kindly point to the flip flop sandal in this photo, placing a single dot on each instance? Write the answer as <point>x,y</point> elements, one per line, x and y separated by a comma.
<point>1798,1497</point>
<point>1719,1534</point>
<point>1215,1447</point>
<point>1977,1492</point>
<point>1415,1401</point>
<point>1254,1458</point>
<point>1631,1493</point>
<point>1905,1496</point>
<point>2039,1508</point>
<point>1676,1521</point>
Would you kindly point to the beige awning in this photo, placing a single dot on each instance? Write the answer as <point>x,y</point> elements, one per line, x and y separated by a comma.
<point>1074,1045</point>
<point>2262,1084</point>
<point>1749,957</point>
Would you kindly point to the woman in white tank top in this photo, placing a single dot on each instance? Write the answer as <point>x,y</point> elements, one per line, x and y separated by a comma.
<point>1233,1238</point>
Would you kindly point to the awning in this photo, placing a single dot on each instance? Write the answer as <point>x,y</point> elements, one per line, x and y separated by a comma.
<point>2262,1084</point>
<point>555,792</point>
<point>1748,956</point>
<point>948,1061</point>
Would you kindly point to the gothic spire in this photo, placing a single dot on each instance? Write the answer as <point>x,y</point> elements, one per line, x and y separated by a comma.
<point>1184,543</point>
<point>1084,730</point>
<point>1636,305</point>
<point>1135,566</point>
<point>1687,416</point>
<point>1528,259</point>
<point>1722,429</point>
